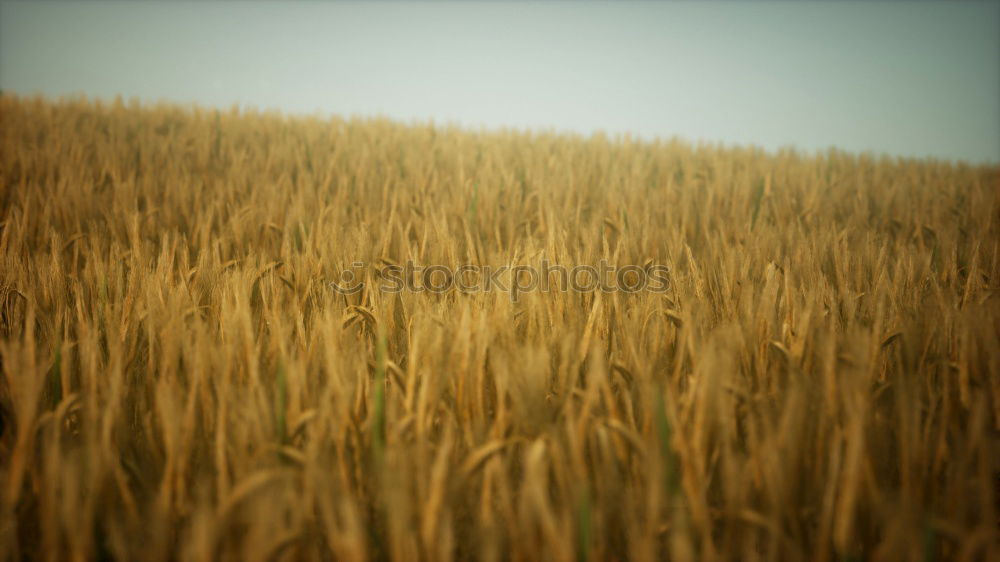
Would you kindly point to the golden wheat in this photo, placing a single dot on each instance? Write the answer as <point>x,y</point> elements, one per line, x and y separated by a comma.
<point>822,381</point>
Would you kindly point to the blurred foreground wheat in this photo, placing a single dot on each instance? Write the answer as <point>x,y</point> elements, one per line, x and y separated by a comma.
<point>180,382</point>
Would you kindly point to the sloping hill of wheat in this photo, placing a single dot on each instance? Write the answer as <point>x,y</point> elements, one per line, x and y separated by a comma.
<point>180,381</point>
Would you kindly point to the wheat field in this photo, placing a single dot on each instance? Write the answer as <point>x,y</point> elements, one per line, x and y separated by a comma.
<point>179,380</point>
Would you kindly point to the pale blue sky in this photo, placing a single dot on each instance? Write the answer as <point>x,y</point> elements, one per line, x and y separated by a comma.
<point>905,78</point>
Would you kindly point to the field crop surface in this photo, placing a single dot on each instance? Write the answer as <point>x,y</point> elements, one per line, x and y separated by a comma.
<point>180,380</point>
